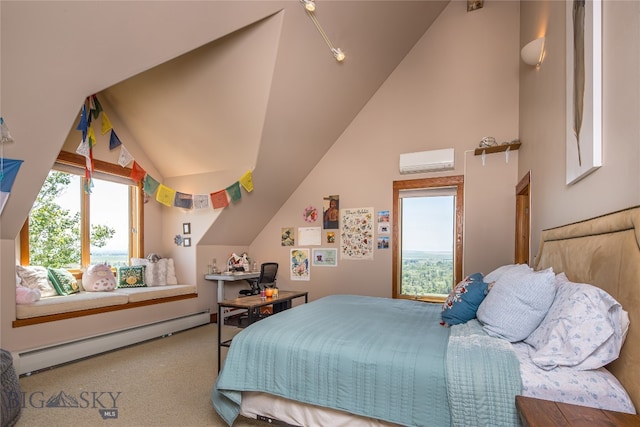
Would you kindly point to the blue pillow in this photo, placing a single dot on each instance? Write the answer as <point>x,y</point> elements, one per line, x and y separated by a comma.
<point>463,301</point>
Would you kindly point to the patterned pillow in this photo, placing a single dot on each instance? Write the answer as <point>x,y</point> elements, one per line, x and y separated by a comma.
<point>63,281</point>
<point>98,278</point>
<point>35,277</point>
<point>517,303</point>
<point>584,328</point>
<point>463,301</point>
<point>131,277</point>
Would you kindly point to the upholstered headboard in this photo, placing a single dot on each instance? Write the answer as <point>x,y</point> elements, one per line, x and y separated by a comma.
<point>605,252</point>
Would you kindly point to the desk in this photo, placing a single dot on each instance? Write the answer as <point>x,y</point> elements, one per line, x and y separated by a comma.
<point>252,305</point>
<point>229,277</point>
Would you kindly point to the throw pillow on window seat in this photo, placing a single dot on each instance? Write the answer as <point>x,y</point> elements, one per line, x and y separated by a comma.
<point>160,272</point>
<point>131,277</point>
<point>36,277</point>
<point>99,278</point>
<point>64,282</point>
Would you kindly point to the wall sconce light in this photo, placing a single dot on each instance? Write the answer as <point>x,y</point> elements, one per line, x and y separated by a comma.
<point>533,52</point>
<point>310,7</point>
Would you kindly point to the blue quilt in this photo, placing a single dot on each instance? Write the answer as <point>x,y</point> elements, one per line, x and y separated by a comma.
<point>377,357</point>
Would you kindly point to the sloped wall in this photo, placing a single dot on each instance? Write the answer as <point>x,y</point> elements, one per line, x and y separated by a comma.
<point>457,85</point>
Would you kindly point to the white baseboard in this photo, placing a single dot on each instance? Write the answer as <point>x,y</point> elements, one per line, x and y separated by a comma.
<point>35,359</point>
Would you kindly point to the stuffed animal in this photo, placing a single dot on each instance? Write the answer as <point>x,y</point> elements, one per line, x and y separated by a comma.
<point>26,295</point>
<point>99,278</point>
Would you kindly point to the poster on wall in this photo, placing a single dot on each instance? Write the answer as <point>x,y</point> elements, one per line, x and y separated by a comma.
<point>325,257</point>
<point>299,265</point>
<point>356,233</point>
<point>331,212</point>
<point>288,237</point>
<point>309,236</point>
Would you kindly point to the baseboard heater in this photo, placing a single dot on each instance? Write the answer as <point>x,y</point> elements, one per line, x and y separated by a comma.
<point>36,359</point>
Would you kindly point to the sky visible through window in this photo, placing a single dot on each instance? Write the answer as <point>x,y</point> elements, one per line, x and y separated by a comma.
<point>427,223</point>
<point>107,200</point>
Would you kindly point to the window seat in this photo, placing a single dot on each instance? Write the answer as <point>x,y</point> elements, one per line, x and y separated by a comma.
<point>84,303</point>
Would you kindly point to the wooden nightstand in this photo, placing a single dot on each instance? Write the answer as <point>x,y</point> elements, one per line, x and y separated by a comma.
<point>546,413</point>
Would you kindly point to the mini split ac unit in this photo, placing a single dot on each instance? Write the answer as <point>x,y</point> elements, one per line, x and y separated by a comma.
<point>427,161</point>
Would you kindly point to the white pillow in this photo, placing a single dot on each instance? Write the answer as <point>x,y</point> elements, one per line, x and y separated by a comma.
<point>36,277</point>
<point>171,272</point>
<point>584,328</point>
<point>159,273</point>
<point>500,271</point>
<point>517,303</point>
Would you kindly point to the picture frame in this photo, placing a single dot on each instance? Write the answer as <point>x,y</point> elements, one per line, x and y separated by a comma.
<point>186,228</point>
<point>324,257</point>
<point>584,89</point>
<point>186,242</point>
<point>299,264</point>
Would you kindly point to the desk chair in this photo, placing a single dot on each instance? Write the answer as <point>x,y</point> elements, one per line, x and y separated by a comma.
<point>268,272</point>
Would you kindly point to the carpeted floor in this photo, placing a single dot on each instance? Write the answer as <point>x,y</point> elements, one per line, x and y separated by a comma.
<point>163,382</point>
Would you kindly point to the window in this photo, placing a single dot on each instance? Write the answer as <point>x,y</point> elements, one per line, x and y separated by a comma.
<point>427,244</point>
<point>70,228</point>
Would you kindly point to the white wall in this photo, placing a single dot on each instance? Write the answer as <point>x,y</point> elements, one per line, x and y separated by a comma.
<point>457,85</point>
<point>616,185</point>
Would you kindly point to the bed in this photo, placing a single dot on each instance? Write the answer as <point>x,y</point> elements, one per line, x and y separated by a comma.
<point>354,360</point>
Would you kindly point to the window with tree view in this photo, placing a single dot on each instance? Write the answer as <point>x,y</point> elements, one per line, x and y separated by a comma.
<point>71,228</point>
<point>428,244</point>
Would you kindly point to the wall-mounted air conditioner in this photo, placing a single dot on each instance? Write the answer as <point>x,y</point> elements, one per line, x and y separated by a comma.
<point>427,161</point>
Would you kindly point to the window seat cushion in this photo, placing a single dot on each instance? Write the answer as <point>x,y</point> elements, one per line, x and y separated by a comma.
<point>67,303</point>
<point>144,294</point>
<point>89,300</point>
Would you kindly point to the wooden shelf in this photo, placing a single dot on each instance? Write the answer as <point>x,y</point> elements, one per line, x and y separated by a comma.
<point>497,148</point>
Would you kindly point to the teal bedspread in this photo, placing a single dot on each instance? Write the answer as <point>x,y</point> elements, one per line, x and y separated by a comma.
<point>377,357</point>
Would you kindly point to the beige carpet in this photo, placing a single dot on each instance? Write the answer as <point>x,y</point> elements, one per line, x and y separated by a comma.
<point>163,382</point>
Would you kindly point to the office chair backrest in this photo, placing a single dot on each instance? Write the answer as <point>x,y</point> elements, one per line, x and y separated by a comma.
<point>268,272</point>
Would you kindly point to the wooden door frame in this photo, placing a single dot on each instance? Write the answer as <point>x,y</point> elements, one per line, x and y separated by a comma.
<point>523,220</point>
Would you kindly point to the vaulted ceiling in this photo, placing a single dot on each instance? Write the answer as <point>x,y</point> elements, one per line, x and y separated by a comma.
<point>266,96</point>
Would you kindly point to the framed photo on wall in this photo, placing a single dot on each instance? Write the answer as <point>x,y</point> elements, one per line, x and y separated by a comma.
<point>584,88</point>
<point>325,257</point>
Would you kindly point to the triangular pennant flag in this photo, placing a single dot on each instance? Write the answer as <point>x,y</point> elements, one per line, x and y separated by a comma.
<point>82,124</point>
<point>114,141</point>
<point>5,136</point>
<point>234,191</point>
<point>106,124</point>
<point>150,185</point>
<point>247,182</point>
<point>183,200</point>
<point>91,137</point>
<point>137,173</point>
<point>165,195</point>
<point>219,199</point>
<point>125,157</point>
<point>200,201</point>
<point>97,108</point>
<point>83,148</point>
<point>8,172</point>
